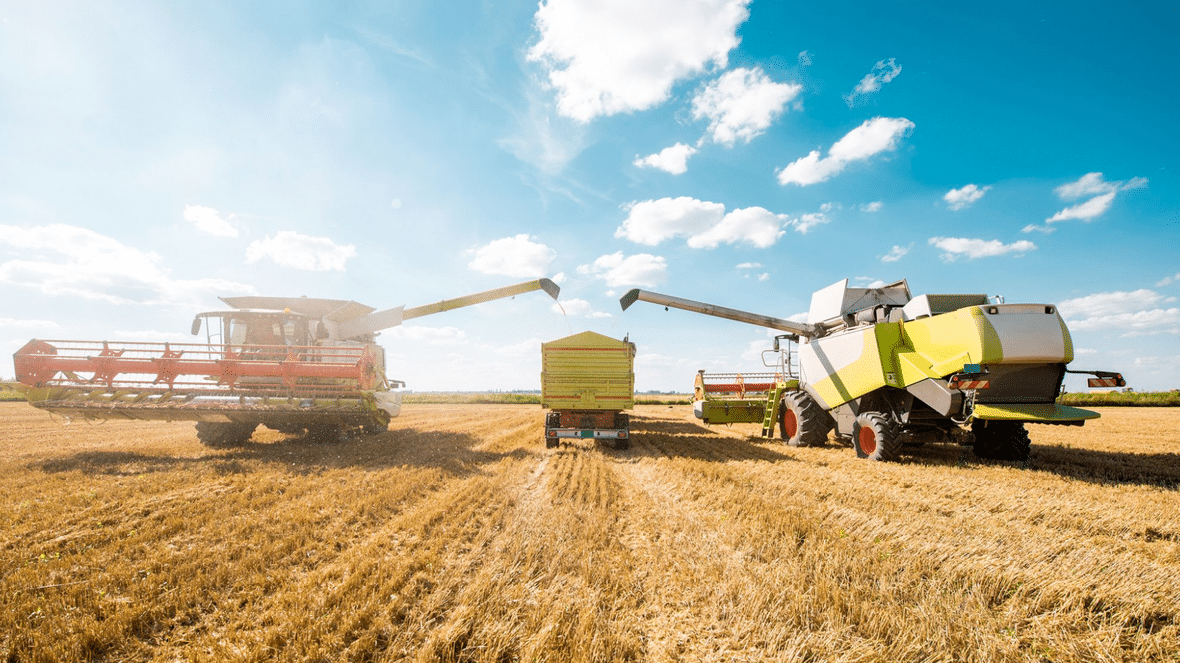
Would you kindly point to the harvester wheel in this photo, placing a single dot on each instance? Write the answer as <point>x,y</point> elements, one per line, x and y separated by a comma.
<point>1001,440</point>
<point>224,435</point>
<point>874,435</point>
<point>802,422</point>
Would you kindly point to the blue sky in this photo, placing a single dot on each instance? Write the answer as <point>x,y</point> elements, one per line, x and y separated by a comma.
<point>154,156</point>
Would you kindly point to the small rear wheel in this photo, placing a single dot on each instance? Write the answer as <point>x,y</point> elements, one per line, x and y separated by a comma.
<point>802,422</point>
<point>874,436</point>
<point>224,435</point>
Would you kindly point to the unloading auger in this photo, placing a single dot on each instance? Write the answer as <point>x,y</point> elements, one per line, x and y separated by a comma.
<point>885,369</point>
<point>288,363</point>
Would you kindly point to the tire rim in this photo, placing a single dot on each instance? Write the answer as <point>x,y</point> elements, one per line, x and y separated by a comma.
<point>790,423</point>
<point>867,440</point>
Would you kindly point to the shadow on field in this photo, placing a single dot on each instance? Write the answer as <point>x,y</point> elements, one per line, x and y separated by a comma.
<point>673,439</point>
<point>1108,467</point>
<point>450,452</point>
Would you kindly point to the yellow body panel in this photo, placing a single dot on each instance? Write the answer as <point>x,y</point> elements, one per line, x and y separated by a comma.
<point>1044,412</point>
<point>587,371</point>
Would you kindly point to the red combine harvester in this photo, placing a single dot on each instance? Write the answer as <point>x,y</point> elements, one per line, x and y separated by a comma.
<point>288,363</point>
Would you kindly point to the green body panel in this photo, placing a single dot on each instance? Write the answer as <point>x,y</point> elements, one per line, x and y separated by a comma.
<point>733,411</point>
<point>587,371</point>
<point>1043,412</point>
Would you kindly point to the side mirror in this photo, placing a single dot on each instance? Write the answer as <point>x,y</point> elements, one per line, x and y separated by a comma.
<point>196,326</point>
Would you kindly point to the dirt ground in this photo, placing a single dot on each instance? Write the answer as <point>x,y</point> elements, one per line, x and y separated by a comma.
<point>458,536</point>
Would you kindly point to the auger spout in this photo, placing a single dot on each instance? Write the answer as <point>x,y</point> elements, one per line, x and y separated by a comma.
<point>799,328</point>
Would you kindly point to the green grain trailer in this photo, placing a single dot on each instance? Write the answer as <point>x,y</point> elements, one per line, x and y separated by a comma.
<point>587,380</point>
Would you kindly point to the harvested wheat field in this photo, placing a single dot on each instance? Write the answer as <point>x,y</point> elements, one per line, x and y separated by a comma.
<point>457,536</point>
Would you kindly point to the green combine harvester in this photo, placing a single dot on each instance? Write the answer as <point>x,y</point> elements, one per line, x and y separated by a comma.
<point>886,369</point>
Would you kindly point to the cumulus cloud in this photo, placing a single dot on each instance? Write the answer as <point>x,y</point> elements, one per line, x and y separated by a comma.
<point>209,220</point>
<point>13,323</point>
<point>957,199</point>
<point>619,271</point>
<point>60,259</point>
<point>748,265</point>
<point>875,206</point>
<point>1140,311</point>
<point>578,307</point>
<point>619,56</point>
<point>883,72</point>
<point>741,104</point>
<point>896,253</point>
<point>806,222</point>
<point>704,224</point>
<point>291,249</point>
<point>513,256</point>
<point>956,247</point>
<point>752,225</point>
<point>672,160</point>
<point>1101,196</point>
<point>874,136</point>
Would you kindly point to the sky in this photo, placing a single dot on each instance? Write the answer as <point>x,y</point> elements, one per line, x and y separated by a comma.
<point>155,156</point>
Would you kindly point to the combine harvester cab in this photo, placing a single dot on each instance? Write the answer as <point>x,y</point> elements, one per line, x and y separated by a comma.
<point>885,369</point>
<point>588,380</point>
<point>288,363</point>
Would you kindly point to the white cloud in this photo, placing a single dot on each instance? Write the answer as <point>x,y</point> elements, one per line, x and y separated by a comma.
<point>704,224</point>
<point>618,56</point>
<point>670,159</point>
<point>1086,211</point>
<point>578,307</point>
<point>874,136</point>
<point>13,323</point>
<point>653,221</point>
<point>804,59</point>
<point>1090,184</point>
<point>209,220</point>
<point>619,271</point>
<point>741,104</point>
<point>1110,303</point>
<point>1032,227</point>
<point>764,276</point>
<point>896,253</point>
<point>955,247</point>
<point>291,249</point>
<point>94,266</point>
<point>875,206</point>
<point>958,199</point>
<point>1168,280</point>
<point>748,265</point>
<point>752,225</point>
<point>513,256</point>
<point>883,72</point>
<point>806,222</point>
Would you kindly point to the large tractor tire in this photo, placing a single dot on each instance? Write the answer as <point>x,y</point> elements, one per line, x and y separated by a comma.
<point>802,422</point>
<point>224,435</point>
<point>875,437</point>
<point>1001,440</point>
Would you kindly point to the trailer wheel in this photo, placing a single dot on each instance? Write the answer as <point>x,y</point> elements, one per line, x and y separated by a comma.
<point>874,436</point>
<point>224,435</point>
<point>802,422</point>
<point>1001,440</point>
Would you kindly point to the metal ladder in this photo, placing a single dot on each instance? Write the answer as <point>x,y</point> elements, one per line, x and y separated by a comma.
<point>772,399</point>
